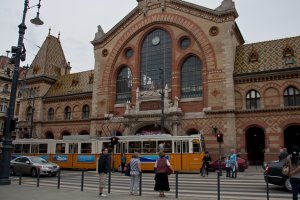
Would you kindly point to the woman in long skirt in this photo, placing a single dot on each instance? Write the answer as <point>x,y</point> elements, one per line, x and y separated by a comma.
<point>161,175</point>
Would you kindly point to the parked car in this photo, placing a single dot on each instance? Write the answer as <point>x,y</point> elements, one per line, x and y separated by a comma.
<point>273,174</point>
<point>242,164</point>
<point>31,165</point>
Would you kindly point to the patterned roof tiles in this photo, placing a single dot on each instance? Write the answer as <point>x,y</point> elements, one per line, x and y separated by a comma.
<point>71,84</point>
<point>270,56</point>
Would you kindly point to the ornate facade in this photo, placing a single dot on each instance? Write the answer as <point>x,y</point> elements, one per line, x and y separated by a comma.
<point>175,67</point>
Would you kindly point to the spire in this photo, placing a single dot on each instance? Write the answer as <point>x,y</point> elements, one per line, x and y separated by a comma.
<point>49,31</point>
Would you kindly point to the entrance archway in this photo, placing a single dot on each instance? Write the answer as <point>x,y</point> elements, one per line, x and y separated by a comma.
<point>292,137</point>
<point>255,140</point>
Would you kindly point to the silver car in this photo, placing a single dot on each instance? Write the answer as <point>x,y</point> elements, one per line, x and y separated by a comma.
<point>32,165</point>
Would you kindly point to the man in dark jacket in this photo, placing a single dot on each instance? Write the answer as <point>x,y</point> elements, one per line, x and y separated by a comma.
<point>103,169</point>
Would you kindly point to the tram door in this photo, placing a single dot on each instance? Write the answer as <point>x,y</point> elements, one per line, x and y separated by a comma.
<point>73,149</point>
<point>181,151</point>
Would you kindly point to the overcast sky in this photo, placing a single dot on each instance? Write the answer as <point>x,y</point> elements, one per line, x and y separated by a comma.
<point>77,21</point>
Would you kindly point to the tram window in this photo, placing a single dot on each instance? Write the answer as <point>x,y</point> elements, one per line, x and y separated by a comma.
<point>60,148</point>
<point>185,146</point>
<point>135,147</point>
<point>18,148</point>
<point>86,148</point>
<point>73,148</point>
<point>196,146</point>
<point>43,148</point>
<point>34,148</point>
<point>118,147</point>
<point>106,145</point>
<point>168,146</point>
<point>177,147</point>
<point>149,147</point>
<point>26,148</point>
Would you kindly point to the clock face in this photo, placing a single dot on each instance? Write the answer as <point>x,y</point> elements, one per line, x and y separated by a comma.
<point>155,40</point>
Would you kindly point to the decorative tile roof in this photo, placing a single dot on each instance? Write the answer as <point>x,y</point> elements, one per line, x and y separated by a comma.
<point>49,61</point>
<point>267,56</point>
<point>71,84</point>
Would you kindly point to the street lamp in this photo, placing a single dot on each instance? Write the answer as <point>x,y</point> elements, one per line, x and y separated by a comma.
<point>162,93</point>
<point>19,54</point>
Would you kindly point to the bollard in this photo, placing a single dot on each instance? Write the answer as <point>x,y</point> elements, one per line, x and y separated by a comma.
<point>140,184</point>
<point>20,178</point>
<point>267,182</point>
<point>58,180</point>
<point>38,178</point>
<point>176,185</point>
<point>109,181</point>
<point>82,179</point>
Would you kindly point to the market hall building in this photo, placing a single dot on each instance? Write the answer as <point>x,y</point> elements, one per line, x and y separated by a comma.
<point>175,67</point>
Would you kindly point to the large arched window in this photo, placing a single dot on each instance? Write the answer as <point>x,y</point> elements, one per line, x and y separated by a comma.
<point>29,113</point>
<point>50,114</point>
<point>191,78</point>
<point>124,84</point>
<point>85,112</point>
<point>252,100</point>
<point>67,113</point>
<point>156,60</point>
<point>291,96</point>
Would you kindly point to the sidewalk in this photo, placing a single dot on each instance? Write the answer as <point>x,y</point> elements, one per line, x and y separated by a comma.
<point>25,192</point>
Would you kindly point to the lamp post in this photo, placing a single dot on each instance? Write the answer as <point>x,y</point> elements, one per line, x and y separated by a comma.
<point>7,143</point>
<point>162,103</point>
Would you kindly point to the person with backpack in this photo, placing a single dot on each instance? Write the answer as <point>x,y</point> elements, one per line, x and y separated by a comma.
<point>293,162</point>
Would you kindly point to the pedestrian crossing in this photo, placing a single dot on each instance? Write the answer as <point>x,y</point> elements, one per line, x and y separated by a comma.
<point>248,185</point>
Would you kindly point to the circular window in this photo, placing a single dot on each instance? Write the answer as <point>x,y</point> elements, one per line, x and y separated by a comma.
<point>185,43</point>
<point>213,31</point>
<point>128,53</point>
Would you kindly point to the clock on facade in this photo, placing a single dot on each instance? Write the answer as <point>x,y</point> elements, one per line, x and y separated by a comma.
<point>155,40</point>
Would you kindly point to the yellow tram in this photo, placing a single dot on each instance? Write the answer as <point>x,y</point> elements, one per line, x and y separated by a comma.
<point>81,151</point>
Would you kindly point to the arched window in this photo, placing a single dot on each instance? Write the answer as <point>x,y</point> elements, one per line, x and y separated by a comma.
<point>191,78</point>
<point>50,114</point>
<point>29,113</point>
<point>85,112</point>
<point>124,84</point>
<point>67,114</point>
<point>252,100</point>
<point>291,96</point>
<point>156,60</point>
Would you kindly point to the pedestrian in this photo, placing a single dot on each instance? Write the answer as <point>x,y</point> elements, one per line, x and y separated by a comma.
<point>161,176</point>
<point>293,161</point>
<point>205,164</point>
<point>135,170</point>
<point>227,166</point>
<point>123,162</point>
<point>233,163</point>
<point>103,169</point>
<point>283,154</point>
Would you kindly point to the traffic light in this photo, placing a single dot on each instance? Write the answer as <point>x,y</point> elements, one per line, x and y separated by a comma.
<point>14,51</point>
<point>220,137</point>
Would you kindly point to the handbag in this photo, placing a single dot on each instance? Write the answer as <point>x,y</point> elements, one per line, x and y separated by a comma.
<point>169,170</point>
